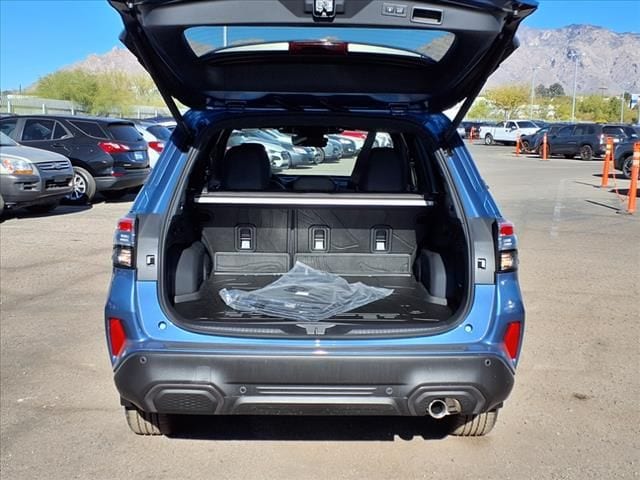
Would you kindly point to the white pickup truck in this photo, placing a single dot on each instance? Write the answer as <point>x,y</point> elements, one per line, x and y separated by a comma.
<point>507,132</point>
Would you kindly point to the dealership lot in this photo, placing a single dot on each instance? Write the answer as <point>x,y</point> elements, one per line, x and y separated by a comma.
<point>573,413</point>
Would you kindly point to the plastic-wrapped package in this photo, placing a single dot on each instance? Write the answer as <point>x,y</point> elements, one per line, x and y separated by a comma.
<point>304,293</point>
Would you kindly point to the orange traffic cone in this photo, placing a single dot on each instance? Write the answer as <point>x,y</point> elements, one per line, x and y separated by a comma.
<point>607,162</point>
<point>633,188</point>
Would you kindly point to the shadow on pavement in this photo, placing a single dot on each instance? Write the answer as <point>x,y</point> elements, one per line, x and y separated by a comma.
<point>304,428</point>
<point>23,213</point>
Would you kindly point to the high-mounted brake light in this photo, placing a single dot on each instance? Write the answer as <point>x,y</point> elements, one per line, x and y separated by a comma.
<point>117,336</point>
<point>319,47</point>
<point>156,146</point>
<point>113,147</point>
<point>511,339</point>
<point>124,243</point>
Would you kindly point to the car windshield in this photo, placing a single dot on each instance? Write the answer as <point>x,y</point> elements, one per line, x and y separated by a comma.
<point>427,44</point>
<point>6,141</point>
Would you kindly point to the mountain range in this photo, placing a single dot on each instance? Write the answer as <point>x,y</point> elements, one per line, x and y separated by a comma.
<point>607,62</point>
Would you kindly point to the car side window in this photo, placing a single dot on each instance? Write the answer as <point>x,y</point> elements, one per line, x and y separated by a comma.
<point>8,127</point>
<point>565,131</point>
<point>510,125</point>
<point>91,129</point>
<point>580,130</point>
<point>37,130</point>
<point>612,130</point>
<point>60,132</point>
<point>591,130</point>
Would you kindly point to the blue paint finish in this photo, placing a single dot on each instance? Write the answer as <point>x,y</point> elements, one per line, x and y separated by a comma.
<point>480,333</point>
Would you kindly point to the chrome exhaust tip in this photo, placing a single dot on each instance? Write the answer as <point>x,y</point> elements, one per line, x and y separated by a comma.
<point>437,408</point>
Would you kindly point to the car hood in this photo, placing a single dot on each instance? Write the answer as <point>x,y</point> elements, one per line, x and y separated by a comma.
<point>443,52</point>
<point>33,155</point>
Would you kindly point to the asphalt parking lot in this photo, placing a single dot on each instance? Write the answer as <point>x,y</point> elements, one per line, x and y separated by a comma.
<point>573,414</point>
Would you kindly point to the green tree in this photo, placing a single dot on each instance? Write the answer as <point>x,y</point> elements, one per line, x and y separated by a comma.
<point>74,85</point>
<point>480,110</point>
<point>541,91</point>
<point>555,90</point>
<point>508,99</point>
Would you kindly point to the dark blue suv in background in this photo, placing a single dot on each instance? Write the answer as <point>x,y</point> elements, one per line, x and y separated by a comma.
<point>197,321</point>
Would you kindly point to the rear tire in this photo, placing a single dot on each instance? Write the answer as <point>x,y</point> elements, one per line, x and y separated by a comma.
<point>43,207</point>
<point>627,163</point>
<point>586,153</point>
<point>84,187</point>
<point>147,423</point>
<point>474,425</point>
<point>488,139</point>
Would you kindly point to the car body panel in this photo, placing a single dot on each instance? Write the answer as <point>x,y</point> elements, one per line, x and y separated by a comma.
<point>50,183</point>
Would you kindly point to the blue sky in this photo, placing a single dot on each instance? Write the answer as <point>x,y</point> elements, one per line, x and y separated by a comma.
<point>39,36</point>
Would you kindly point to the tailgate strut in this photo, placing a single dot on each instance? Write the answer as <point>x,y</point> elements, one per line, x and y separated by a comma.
<point>136,38</point>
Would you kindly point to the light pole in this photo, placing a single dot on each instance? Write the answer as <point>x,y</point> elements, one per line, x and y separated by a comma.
<point>533,77</point>
<point>622,108</point>
<point>575,57</point>
<point>224,36</point>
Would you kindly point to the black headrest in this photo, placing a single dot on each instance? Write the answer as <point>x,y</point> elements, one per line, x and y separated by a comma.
<point>246,167</point>
<point>384,172</point>
<point>313,184</point>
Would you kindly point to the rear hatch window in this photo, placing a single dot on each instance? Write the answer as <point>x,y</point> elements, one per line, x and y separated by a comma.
<point>429,44</point>
<point>124,132</point>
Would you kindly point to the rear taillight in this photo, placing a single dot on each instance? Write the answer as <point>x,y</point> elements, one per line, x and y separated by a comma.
<point>124,243</point>
<point>511,339</point>
<point>117,336</point>
<point>507,254</point>
<point>113,147</point>
<point>156,146</point>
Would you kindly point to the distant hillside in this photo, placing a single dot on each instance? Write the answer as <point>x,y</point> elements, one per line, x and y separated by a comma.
<point>608,59</point>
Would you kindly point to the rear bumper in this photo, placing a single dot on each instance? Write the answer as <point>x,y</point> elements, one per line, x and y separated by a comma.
<point>206,384</point>
<point>130,179</point>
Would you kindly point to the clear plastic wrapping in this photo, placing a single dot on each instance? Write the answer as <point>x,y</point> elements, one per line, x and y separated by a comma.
<point>304,293</point>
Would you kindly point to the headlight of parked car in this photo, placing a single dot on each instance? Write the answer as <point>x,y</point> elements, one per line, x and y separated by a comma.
<point>16,166</point>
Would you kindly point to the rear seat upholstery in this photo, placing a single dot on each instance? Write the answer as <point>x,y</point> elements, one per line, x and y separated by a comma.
<point>343,240</point>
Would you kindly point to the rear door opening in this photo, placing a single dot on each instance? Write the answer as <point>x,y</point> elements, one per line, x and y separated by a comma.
<point>386,218</point>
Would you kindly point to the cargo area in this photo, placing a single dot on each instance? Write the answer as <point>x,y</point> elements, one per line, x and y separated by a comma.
<point>245,226</point>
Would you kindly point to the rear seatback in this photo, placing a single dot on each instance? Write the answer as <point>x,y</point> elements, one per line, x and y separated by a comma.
<point>357,241</point>
<point>344,240</point>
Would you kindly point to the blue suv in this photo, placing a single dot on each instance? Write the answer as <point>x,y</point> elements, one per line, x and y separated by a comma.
<point>413,219</point>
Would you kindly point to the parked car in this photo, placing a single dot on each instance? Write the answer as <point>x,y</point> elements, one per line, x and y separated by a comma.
<point>31,177</point>
<point>279,155</point>
<point>349,148</point>
<point>156,137</point>
<point>108,155</point>
<point>623,155</point>
<point>468,125</point>
<point>531,143</point>
<point>299,155</point>
<point>332,151</point>
<point>391,283</point>
<point>586,140</point>
<point>507,132</point>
